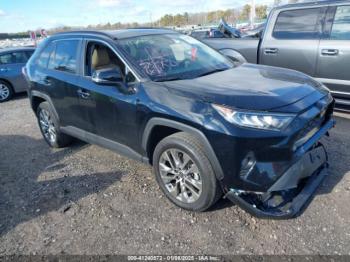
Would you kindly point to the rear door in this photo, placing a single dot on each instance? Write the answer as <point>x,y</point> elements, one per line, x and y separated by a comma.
<point>292,42</point>
<point>56,74</point>
<point>334,52</point>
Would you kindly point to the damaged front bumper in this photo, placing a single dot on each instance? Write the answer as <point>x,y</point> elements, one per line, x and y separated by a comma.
<point>292,192</point>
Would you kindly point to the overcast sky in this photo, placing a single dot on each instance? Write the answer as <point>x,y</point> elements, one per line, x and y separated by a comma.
<point>22,15</point>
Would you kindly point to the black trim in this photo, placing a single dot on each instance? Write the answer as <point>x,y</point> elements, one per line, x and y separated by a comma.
<point>44,96</point>
<point>298,204</point>
<point>103,142</point>
<point>328,23</point>
<point>308,164</point>
<point>185,128</point>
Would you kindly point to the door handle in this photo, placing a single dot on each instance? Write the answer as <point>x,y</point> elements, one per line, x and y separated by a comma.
<point>270,51</point>
<point>330,52</point>
<point>83,94</point>
<point>47,81</point>
<point>4,69</point>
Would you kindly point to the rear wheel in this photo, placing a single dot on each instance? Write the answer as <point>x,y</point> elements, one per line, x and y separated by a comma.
<point>184,172</point>
<point>49,127</point>
<point>6,91</point>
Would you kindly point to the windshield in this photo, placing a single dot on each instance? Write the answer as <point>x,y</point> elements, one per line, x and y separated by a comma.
<point>172,57</point>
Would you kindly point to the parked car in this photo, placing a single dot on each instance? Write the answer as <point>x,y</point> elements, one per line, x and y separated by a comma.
<point>200,33</point>
<point>12,60</point>
<point>216,33</point>
<point>228,31</point>
<point>219,32</point>
<point>313,38</point>
<point>254,32</point>
<point>208,127</point>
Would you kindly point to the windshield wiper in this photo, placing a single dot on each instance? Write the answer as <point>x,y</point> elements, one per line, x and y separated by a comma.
<point>212,72</point>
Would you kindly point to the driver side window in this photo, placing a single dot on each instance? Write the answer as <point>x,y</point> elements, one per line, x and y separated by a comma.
<point>99,56</point>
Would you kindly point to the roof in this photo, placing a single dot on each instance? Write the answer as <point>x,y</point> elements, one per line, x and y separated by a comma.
<point>313,3</point>
<point>20,48</point>
<point>122,33</point>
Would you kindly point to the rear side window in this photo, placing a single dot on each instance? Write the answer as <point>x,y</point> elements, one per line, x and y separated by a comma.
<point>13,58</point>
<point>19,58</point>
<point>44,57</point>
<point>341,24</point>
<point>5,59</point>
<point>29,54</point>
<point>298,24</point>
<point>65,56</point>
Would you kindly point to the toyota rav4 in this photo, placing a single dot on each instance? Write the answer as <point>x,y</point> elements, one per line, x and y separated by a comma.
<point>208,127</point>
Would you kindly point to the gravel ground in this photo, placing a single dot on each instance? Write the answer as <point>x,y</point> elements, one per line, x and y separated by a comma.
<point>88,200</point>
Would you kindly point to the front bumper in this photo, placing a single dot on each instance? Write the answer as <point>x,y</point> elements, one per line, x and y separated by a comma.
<point>286,209</point>
<point>291,193</point>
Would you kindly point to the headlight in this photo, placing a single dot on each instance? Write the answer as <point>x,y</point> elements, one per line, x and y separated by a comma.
<point>260,120</point>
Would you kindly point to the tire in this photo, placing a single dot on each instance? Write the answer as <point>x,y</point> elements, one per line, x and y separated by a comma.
<point>50,129</point>
<point>199,183</point>
<point>6,91</point>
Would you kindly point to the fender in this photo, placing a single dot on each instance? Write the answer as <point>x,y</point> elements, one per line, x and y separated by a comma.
<point>156,121</point>
<point>233,55</point>
<point>35,93</point>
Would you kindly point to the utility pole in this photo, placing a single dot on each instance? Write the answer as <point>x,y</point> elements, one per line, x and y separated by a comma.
<point>150,18</point>
<point>252,13</point>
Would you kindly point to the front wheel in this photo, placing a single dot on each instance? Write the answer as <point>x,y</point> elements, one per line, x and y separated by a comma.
<point>184,172</point>
<point>49,127</point>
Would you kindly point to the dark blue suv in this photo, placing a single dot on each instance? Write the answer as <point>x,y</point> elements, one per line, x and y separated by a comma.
<point>208,127</point>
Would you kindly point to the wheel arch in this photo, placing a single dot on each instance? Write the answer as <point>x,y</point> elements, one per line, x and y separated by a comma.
<point>173,126</point>
<point>37,97</point>
<point>9,83</point>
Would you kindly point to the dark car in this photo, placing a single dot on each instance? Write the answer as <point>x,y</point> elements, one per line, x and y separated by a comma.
<point>311,37</point>
<point>207,33</point>
<point>200,33</point>
<point>12,60</point>
<point>208,128</point>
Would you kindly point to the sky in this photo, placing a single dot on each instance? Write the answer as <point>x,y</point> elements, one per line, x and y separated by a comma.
<point>23,15</point>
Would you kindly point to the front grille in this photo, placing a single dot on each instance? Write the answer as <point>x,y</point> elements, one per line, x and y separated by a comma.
<point>314,125</point>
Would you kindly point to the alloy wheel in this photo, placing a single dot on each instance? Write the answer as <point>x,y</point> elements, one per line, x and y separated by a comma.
<point>4,92</point>
<point>180,175</point>
<point>47,126</point>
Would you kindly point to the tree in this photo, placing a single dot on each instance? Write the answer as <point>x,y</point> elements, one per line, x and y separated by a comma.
<point>261,11</point>
<point>245,12</point>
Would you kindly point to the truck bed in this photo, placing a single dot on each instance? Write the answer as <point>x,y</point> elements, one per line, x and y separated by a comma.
<point>248,47</point>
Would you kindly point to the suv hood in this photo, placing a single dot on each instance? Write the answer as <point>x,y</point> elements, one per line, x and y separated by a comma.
<point>252,87</point>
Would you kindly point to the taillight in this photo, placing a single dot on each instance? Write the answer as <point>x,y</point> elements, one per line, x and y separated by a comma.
<point>24,71</point>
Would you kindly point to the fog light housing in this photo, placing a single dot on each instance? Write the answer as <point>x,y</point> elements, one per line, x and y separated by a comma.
<point>247,165</point>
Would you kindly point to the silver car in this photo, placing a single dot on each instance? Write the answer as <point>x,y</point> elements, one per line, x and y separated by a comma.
<point>11,79</point>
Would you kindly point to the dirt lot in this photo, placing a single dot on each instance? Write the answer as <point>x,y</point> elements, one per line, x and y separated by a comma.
<point>88,200</point>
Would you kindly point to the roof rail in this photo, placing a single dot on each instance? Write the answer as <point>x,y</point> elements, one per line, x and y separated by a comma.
<point>103,33</point>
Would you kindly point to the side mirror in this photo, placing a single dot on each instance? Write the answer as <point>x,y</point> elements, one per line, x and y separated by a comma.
<point>108,76</point>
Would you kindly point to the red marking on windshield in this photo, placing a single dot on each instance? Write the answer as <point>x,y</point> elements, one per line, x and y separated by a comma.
<point>194,54</point>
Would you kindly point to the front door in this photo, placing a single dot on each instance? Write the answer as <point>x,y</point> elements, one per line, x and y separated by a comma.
<point>109,109</point>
